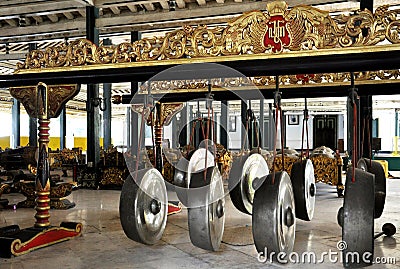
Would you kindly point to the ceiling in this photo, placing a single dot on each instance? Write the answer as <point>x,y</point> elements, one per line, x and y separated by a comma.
<point>51,22</point>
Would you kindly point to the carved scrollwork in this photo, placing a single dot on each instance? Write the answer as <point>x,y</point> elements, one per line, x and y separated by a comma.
<point>58,95</point>
<point>276,30</point>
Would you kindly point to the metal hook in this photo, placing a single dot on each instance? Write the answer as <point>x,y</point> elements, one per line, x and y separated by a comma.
<point>306,116</point>
<point>277,94</point>
<point>209,96</point>
<point>353,90</point>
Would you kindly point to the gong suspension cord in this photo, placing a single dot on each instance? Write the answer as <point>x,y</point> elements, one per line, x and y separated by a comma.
<point>245,134</point>
<point>191,136</point>
<point>305,128</point>
<point>278,115</point>
<point>355,122</point>
<point>209,109</point>
<point>139,142</point>
<point>366,126</point>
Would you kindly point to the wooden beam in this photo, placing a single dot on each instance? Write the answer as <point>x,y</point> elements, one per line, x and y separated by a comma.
<point>132,8</point>
<point>82,12</point>
<point>201,2</point>
<point>53,17</point>
<point>85,2</point>
<point>12,22</point>
<point>181,3</point>
<point>12,56</point>
<point>115,10</point>
<point>44,31</point>
<point>69,15</point>
<point>38,19</point>
<point>40,8</point>
<point>164,4</point>
<point>149,7</point>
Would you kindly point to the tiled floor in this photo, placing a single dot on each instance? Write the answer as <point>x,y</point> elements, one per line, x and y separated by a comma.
<point>104,244</point>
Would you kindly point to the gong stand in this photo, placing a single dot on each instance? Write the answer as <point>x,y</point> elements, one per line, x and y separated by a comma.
<point>206,210</point>
<point>303,178</point>
<point>41,102</point>
<point>357,214</point>
<point>305,128</point>
<point>274,204</point>
<point>278,117</point>
<point>373,167</point>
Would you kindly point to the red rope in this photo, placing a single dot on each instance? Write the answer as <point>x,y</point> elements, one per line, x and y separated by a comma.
<point>191,137</point>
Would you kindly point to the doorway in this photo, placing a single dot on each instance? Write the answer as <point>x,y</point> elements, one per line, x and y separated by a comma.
<point>325,131</point>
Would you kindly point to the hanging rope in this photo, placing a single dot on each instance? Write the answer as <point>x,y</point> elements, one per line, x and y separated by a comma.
<point>305,128</point>
<point>245,134</point>
<point>139,143</point>
<point>355,129</point>
<point>366,127</point>
<point>278,114</point>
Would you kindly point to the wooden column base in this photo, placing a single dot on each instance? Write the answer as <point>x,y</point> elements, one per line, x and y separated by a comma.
<point>15,242</point>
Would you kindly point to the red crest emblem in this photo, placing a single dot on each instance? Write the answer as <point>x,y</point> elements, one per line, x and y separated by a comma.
<point>277,35</point>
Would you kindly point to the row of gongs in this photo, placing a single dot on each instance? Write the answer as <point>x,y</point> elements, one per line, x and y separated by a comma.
<point>274,200</point>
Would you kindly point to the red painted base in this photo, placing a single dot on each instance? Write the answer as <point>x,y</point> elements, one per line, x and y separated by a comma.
<point>174,208</point>
<point>14,241</point>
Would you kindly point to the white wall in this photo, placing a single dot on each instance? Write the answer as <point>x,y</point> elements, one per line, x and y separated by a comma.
<point>294,133</point>
<point>387,125</point>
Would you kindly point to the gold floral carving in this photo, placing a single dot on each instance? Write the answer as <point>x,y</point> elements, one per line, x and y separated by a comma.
<point>326,168</point>
<point>183,86</point>
<point>167,112</point>
<point>277,30</point>
<point>114,176</point>
<point>289,161</point>
<point>58,95</point>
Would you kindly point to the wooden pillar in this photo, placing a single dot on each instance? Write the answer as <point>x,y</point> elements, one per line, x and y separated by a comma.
<point>224,124</point>
<point>261,124</point>
<point>16,119</point>
<point>367,4</point>
<point>271,128</point>
<point>366,106</point>
<point>33,126</point>
<point>134,122</point>
<point>63,128</point>
<point>93,115</point>
<point>366,126</point>
<point>243,111</point>
<point>182,126</point>
<point>107,112</point>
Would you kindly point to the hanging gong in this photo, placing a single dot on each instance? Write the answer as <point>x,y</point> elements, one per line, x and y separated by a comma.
<point>303,182</point>
<point>247,173</point>
<point>274,222</point>
<point>199,161</point>
<point>376,168</point>
<point>143,206</point>
<point>206,220</point>
<point>358,219</point>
